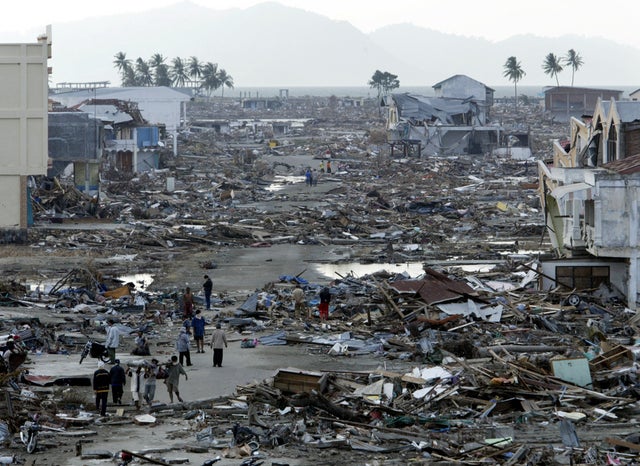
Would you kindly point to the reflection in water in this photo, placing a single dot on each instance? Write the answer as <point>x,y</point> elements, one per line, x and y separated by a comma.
<point>279,182</point>
<point>358,270</point>
<point>141,280</point>
<point>413,269</point>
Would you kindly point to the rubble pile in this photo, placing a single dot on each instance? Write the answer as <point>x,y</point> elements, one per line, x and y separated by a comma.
<point>449,367</point>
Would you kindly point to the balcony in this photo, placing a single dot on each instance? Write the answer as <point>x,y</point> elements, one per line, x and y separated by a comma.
<point>121,145</point>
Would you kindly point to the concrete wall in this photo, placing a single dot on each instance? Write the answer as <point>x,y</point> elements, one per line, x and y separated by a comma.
<point>23,124</point>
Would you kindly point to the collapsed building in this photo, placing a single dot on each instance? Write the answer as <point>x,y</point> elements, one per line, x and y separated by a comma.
<point>455,121</point>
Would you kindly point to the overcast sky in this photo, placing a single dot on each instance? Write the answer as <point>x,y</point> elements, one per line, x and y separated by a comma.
<point>491,19</point>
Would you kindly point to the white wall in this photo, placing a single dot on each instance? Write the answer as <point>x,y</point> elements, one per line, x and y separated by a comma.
<point>23,124</point>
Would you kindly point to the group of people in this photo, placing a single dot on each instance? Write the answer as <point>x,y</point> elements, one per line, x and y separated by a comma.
<point>142,378</point>
<point>197,323</point>
<point>311,176</point>
<point>300,307</point>
<point>142,382</point>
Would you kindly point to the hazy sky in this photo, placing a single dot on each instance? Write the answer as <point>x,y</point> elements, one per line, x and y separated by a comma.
<point>491,19</point>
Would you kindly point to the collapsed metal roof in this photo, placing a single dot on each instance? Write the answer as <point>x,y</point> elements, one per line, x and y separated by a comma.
<point>417,107</point>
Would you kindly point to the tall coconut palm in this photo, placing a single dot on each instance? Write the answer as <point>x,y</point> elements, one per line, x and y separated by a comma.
<point>143,73</point>
<point>160,70</point>
<point>574,60</point>
<point>552,66</point>
<point>513,70</point>
<point>195,70</point>
<point>178,72</point>
<point>224,79</point>
<point>210,80</point>
<point>123,64</point>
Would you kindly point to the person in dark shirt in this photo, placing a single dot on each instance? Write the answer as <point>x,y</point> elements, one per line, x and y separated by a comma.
<point>118,381</point>
<point>208,288</point>
<point>101,380</point>
<point>325,298</point>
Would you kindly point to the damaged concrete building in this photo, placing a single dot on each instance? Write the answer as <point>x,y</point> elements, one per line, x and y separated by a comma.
<point>590,199</point>
<point>160,106</point>
<point>455,121</point>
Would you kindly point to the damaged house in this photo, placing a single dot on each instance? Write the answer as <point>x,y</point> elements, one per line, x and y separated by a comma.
<point>159,106</point>
<point>75,137</point>
<point>132,145</point>
<point>455,121</point>
<point>590,198</point>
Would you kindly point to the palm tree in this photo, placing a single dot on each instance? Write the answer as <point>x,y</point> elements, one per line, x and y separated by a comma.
<point>574,60</point>
<point>513,70</point>
<point>178,72</point>
<point>552,66</point>
<point>129,79</point>
<point>210,77</point>
<point>161,70</point>
<point>143,73</point>
<point>122,63</point>
<point>224,79</point>
<point>195,68</point>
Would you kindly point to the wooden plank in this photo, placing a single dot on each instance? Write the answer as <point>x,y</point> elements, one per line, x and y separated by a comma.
<point>622,443</point>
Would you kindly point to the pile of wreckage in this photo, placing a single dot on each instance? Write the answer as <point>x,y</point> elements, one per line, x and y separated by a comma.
<point>487,371</point>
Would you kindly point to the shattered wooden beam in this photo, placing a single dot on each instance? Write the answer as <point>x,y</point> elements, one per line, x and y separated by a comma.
<point>142,457</point>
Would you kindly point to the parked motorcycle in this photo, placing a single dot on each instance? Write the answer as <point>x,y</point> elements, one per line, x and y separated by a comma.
<point>95,350</point>
<point>29,433</point>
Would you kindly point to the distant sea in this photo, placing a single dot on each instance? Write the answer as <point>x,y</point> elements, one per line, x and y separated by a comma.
<point>362,91</point>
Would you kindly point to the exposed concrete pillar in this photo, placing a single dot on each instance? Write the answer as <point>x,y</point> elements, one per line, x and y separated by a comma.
<point>632,294</point>
<point>135,150</point>
<point>175,143</point>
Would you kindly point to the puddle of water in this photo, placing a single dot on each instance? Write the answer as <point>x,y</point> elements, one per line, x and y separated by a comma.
<point>358,270</point>
<point>141,280</point>
<point>475,268</point>
<point>280,181</point>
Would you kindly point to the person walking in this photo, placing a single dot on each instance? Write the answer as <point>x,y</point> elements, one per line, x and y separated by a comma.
<point>328,166</point>
<point>118,380</point>
<point>187,304</point>
<point>198,323</point>
<point>298,301</point>
<point>325,299</point>
<point>150,378</point>
<point>136,384</point>
<point>101,379</point>
<point>218,339</point>
<point>208,288</point>
<point>113,340</point>
<point>182,346</point>
<point>307,177</point>
<point>173,380</point>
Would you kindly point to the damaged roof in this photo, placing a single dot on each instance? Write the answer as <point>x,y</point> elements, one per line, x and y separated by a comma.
<point>625,166</point>
<point>412,106</point>
<point>434,287</point>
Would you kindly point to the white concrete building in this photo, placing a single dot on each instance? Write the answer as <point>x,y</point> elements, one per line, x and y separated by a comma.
<point>591,199</point>
<point>23,128</point>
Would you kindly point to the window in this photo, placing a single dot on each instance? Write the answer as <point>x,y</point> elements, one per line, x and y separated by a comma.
<point>582,277</point>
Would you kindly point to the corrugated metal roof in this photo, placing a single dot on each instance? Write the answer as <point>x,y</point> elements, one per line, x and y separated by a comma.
<point>625,166</point>
<point>434,288</point>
